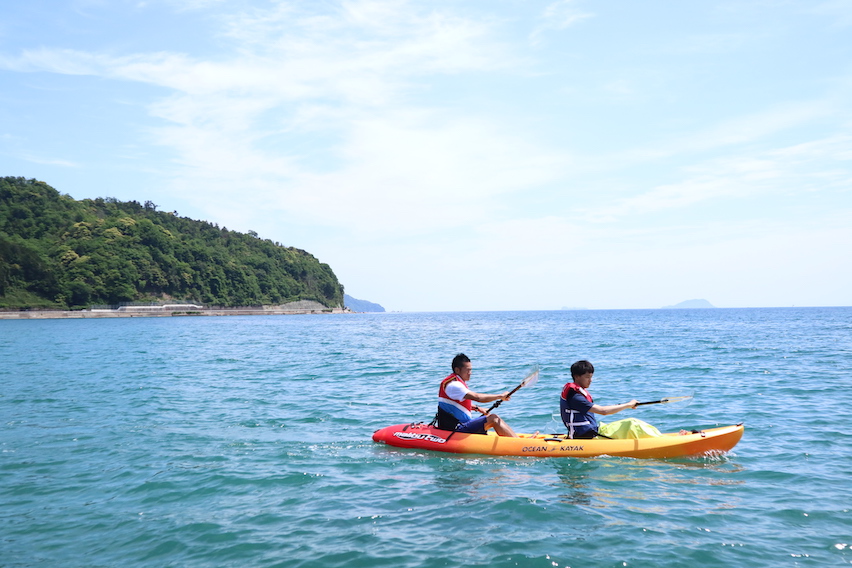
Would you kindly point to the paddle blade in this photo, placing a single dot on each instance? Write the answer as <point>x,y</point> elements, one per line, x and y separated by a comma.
<point>530,379</point>
<point>669,399</point>
<point>666,400</point>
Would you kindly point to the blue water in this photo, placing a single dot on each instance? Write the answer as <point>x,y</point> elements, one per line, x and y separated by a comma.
<point>245,441</point>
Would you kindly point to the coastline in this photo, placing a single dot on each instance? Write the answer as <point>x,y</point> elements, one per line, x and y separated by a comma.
<point>293,308</point>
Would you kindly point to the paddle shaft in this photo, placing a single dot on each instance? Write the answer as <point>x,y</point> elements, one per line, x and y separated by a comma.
<point>664,400</point>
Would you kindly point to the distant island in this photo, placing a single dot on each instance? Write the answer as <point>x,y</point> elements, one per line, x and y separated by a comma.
<point>689,305</point>
<point>573,309</point>
<point>57,253</point>
<point>360,305</point>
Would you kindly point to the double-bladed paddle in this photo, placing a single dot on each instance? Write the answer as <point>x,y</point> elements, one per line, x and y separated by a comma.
<point>528,381</point>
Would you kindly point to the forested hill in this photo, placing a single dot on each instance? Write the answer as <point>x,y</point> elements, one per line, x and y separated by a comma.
<point>57,252</point>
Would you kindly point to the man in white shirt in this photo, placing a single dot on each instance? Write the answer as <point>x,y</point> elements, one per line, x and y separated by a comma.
<point>455,403</point>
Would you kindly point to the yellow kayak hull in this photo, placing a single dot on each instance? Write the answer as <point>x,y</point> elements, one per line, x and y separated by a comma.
<point>711,441</point>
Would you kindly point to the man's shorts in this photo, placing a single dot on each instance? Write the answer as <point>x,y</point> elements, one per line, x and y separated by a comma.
<point>475,426</point>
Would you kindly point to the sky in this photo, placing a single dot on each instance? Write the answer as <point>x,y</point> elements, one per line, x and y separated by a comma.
<point>464,155</point>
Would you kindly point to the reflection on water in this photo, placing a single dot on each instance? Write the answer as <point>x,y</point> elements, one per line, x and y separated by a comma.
<point>485,478</point>
<point>576,481</point>
<point>597,483</point>
<point>246,441</point>
<point>620,482</point>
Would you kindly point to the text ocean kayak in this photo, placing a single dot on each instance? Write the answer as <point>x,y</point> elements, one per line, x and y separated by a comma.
<point>673,445</point>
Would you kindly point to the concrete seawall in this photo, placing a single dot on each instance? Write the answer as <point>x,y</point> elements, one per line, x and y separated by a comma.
<point>293,308</point>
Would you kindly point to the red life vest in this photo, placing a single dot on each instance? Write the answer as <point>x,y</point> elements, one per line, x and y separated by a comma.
<point>574,387</point>
<point>451,412</point>
<point>580,424</point>
<point>467,403</point>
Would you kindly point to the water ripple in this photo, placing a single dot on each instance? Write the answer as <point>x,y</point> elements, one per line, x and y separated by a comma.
<point>246,441</point>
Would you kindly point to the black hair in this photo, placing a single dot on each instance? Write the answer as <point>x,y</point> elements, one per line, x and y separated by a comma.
<point>581,368</point>
<point>460,360</point>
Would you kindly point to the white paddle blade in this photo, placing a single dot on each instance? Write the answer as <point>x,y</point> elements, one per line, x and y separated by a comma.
<point>669,399</point>
<point>530,379</point>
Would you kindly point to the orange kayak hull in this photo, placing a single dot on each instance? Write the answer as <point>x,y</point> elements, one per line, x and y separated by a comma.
<point>711,441</point>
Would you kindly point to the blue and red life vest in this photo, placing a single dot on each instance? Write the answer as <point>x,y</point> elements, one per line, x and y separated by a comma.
<point>452,412</point>
<point>580,424</point>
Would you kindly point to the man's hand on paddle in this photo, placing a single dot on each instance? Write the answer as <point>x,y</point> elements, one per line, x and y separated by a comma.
<point>503,396</point>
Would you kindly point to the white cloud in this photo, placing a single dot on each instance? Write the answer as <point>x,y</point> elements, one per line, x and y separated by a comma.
<point>188,5</point>
<point>559,16</point>
<point>740,130</point>
<point>419,170</point>
<point>768,174</point>
<point>405,172</point>
<point>411,134</point>
<point>51,161</point>
<point>839,11</point>
<point>339,71</point>
<point>391,39</point>
<point>759,125</point>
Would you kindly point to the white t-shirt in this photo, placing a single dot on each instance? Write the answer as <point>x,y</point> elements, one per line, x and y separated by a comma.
<point>456,390</point>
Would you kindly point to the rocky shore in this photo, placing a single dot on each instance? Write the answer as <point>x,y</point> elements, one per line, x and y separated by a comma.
<point>172,310</point>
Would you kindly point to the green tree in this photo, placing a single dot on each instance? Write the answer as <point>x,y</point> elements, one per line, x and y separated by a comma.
<point>57,251</point>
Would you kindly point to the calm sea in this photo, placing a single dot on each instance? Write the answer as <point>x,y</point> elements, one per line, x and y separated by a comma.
<point>245,441</point>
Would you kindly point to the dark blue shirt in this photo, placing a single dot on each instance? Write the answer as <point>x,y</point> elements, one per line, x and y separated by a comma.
<point>577,415</point>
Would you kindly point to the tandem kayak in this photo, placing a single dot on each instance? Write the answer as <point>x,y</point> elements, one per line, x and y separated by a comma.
<point>672,445</point>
